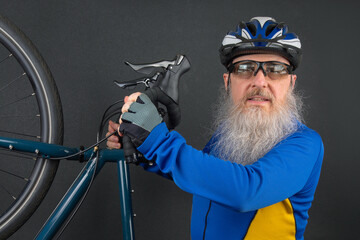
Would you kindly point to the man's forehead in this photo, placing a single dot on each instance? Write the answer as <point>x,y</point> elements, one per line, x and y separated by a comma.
<point>262,58</point>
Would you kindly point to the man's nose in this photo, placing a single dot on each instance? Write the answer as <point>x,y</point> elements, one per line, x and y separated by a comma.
<point>259,80</point>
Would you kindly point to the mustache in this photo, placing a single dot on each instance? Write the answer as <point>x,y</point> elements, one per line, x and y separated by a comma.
<point>259,92</point>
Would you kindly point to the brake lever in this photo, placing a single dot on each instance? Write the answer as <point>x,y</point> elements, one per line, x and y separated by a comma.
<point>147,81</point>
<point>166,77</point>
<point>151,67</point>
<point>156,68</point>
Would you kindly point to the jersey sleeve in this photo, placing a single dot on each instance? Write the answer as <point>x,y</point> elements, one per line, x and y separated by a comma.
<point>281,173</point>
<point>155,169</point>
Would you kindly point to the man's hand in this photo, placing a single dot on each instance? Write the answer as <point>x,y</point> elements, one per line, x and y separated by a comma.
<point>128,101</point>
<point>139,117</point>
<point>113,142</point>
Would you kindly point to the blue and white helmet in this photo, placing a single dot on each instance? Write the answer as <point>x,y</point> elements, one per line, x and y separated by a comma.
<point>261,35</point>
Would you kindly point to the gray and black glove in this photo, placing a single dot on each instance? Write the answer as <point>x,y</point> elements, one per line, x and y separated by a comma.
<point>141,118</point>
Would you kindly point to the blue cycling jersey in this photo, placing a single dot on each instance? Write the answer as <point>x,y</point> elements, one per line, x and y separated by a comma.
<point>268,199</point>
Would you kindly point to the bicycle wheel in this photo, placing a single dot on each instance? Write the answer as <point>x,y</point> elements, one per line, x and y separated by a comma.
<point>30,108</point>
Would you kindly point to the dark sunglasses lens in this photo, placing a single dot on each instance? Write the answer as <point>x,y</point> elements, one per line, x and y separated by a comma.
<point>276,70</point>
<point>245,70</point>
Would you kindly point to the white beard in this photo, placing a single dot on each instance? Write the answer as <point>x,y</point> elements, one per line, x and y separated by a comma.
<point>246,134</point>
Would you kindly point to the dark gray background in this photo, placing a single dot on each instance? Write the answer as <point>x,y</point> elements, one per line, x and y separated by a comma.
<point>85,44</point>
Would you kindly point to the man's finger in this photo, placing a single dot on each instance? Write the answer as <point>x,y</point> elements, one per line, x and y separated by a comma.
<point>129,100</point>
<point>120,121</point>
<point>112,126</point>
<point>133,97</point>
<point>113,145</point>
<point>126,106</point>
<point>113,139</point>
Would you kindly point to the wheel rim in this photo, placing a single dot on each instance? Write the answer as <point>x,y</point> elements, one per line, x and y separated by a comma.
<point>33,101</point>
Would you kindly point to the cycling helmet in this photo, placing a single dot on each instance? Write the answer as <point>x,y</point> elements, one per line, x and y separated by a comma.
<point>261,35</point>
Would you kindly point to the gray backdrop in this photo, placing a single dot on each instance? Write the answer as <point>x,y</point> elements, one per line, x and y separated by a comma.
<point>85,44</point>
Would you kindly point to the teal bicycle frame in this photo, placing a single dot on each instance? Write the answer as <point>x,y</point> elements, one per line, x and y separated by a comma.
<point>95,161</point>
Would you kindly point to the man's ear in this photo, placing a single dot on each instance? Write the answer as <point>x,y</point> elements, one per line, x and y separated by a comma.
<point>293,80</point>
<point>226,79</point>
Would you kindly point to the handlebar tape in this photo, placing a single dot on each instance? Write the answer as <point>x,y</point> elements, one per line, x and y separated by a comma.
<point>173,110</point>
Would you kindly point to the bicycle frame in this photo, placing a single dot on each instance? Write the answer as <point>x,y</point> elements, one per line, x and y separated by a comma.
<point>161,79</point>
<point>80,185</point>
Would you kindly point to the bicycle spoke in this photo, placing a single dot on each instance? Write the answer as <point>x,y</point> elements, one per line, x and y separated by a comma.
<point>20,134</point>
<point>12,81</point>
<point>20,116</point>
<point>10,55</point>
<point>7,192</point>
<point>18,100</point>
<point>15,175</point>
<point>17,155</point>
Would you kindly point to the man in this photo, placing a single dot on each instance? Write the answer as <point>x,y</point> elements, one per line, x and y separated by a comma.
<point>256,177</point>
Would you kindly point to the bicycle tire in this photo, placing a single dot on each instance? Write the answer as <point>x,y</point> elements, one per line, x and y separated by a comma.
<point>51,126</point>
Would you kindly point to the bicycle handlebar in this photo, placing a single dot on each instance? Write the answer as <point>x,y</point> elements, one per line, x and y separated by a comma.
<point>162,87</point>
<point>170,83</point>
<point>165,74</point>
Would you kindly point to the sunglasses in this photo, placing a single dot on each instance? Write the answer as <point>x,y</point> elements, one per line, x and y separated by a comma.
<point>247,69</point>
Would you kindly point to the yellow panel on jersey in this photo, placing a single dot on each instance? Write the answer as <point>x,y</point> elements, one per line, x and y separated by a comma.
<point>273,222</point>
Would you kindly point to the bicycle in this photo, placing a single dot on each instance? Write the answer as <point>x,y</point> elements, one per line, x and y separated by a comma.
<point>36,102</point>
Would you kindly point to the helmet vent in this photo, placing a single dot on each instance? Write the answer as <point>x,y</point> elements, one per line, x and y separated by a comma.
<point>269,29</point>
<point>252,28</point>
